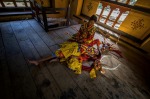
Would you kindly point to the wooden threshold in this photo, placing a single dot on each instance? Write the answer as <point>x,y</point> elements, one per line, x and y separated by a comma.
<point>14,9</point>
<point>15,13</point>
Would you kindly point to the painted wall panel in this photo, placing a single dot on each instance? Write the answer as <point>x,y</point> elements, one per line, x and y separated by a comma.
<point>136,24</point>
<point>90,7</point>
<point>46,3</point>
<point>59,4</point>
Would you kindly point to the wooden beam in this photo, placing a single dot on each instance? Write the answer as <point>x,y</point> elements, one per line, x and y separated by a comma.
<point>146,10</point>
<point>45,20</point>
<point>15,13</point>
<point>14,9</point>
<point>1,1</point>
<point>127,1</point>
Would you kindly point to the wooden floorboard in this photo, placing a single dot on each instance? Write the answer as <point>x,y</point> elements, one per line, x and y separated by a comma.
<point>55,37</point>
<point>39,30</point>
<point>35,25</point>
<point>63,33</point>
<point>37,41</point>
<point>5,83</point>
<point>47,87</point>
<point>54,48</point>
<point>22,82</point>
<point>26,39</point>
<point>64,88</point>
<point>59,40</point>
<point>83,81</point>
<point>69,88</point>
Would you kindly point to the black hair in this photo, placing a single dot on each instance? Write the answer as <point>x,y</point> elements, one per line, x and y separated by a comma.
<point>93,17</point>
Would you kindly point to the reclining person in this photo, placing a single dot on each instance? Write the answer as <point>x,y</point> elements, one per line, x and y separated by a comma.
<point>78,49</point>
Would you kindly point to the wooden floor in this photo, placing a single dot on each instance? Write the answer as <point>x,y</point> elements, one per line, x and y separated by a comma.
<point>22,40</point>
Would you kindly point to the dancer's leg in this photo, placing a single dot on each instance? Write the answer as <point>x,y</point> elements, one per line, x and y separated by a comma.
<point>36,62</point>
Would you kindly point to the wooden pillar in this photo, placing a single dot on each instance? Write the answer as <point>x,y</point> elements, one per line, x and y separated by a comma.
<point>44,19</point>
<point>68,13</point>
<point>127,1</point>
<point>1,1</point>
<point>32,8</point>
<point>52,3</point>
<point>78,6</point>
<point>14,3</point>
<point>25,2</point>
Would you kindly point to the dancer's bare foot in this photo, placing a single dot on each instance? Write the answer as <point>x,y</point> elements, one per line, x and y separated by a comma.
<point>33,62</point>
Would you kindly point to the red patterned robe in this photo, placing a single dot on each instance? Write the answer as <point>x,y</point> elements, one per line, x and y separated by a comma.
<point>80,46</point>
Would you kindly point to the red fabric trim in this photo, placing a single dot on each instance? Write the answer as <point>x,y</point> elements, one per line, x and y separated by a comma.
<point>86,68</point>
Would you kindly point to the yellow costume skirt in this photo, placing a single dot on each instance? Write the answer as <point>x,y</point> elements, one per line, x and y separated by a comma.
<point>71,53</point>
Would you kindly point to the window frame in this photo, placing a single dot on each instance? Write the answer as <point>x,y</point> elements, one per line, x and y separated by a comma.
<point>112,7</point>
<point>15,3</point>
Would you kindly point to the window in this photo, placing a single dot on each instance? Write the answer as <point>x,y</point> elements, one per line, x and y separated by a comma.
<point>121,19</point>
<point>106,11</point>
<point>102,20</point>
<point>132,2</point>
<point>129,2</point>
<point>109,23</point>
<point>105,14</point>
<point>14,3</point>
<point>28,4</point>
<point>99,9</point>
<point>123,1</point>
<point>112,14</point>
<point>123,16</point>
<point>20,3</point>
<point>8,3</point>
